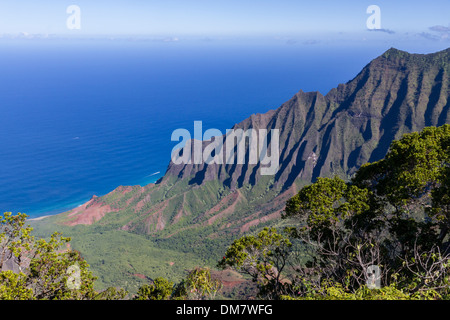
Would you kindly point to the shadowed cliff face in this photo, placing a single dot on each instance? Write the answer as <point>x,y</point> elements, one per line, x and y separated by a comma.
<point>353,124</point>
<point>319,135</point>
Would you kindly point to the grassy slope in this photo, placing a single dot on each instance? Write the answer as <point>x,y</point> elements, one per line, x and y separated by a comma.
<point>117,263</point>
<point>121,258</point>
<point>181,232</point>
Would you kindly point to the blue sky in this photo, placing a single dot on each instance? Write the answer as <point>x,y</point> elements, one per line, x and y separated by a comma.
<point>219,16</point>
<point>312,20</point>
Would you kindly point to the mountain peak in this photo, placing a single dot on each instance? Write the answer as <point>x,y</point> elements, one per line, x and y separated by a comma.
<point>392,50</point>
<point>319,136</point>
<point>394,54</point>
<point>372,110</point>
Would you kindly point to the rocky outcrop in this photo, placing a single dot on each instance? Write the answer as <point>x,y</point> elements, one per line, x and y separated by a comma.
<point>319,135</point>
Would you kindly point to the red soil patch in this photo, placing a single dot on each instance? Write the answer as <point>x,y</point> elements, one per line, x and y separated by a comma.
<point>280,199</point>
<point>235,197</point>
<point>156,218</point>
<point>221,204</point>
<point>124,189</point>
<point>141,203</point>
<point>252,216</point>
<point>285,196</point>
<point>135,196</point>
<point>180,212</point>
<point>272,216</point>
<point>88,213</point>
<point>229,279</point>
<point>127,227</point>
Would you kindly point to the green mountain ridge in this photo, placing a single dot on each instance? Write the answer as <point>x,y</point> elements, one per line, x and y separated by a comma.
<point>191,215</point>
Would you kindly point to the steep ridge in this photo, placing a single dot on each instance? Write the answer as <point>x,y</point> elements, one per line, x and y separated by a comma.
<point>319,135</point>
<point>354,123</point>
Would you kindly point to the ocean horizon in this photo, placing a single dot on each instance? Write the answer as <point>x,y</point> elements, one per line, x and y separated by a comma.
<point>81,118</point>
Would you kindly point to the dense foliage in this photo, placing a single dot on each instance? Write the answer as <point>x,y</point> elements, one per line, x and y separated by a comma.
<point>198,285</point>
<point>50,270</point>
<point>384,234</point>
<point>263,257</point>
<point>42,269</point>
<point>160,289</point>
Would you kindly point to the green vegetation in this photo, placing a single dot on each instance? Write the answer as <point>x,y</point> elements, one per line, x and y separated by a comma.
<point>393,217</point>
<point>392,213</point>
<point>50,270</point>
<point>191,216</point>
<point>199,285</point>
<point>161,289</point>
<point>46,270</point>
<point>264,258</point>
<point>117,263</point>
<point>382,235</point>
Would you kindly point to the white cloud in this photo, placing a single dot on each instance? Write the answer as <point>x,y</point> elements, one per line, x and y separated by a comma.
<point>442,31</point>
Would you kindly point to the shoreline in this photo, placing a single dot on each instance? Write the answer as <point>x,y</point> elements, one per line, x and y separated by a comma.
<point>41,218</point>
<point>79,204</point>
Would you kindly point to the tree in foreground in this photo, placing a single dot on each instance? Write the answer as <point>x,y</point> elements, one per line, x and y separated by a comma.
<point>383,234</point>
<point>198,285</point>
<point>263,257</point>
<point>160,289</point>
<point>42,269</point>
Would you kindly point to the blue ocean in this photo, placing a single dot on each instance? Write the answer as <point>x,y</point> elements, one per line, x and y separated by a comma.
<point>79,118</point>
